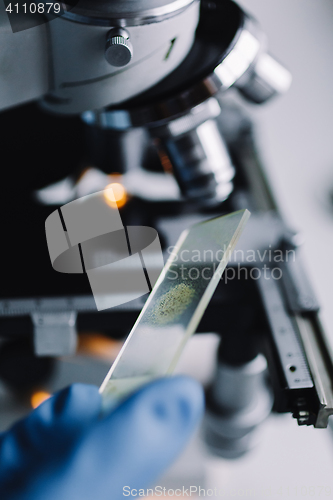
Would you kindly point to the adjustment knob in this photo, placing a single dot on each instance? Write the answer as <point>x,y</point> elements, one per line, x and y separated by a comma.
<point>118,50</point>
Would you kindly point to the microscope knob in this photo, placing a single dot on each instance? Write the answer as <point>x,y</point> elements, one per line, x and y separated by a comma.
<point>118,50</point>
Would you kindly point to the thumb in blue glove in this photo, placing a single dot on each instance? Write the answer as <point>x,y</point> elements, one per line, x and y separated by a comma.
<point>63,451</point>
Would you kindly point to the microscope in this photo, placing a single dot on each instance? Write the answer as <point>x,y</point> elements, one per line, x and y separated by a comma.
<point>144,94</point>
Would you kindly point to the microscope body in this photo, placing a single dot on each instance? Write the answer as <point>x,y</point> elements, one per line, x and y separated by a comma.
<point>63,63</point>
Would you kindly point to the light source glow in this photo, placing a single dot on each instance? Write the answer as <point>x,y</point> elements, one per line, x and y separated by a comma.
<point>115,195</point>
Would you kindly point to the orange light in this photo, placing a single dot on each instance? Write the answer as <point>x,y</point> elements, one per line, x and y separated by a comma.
<point>165,161</point>
<point>115,195</point>
<point>95,344</point>
<point>38,398</point>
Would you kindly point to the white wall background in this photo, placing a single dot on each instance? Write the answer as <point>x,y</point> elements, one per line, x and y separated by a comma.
<point>296,131</point>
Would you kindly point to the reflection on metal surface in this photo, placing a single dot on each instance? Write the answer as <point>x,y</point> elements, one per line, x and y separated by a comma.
<point>197,154</point>
<point>239,59</point>
<point>286,336</point>
<point>175,306</point>
<point>319,356</point>
<point>87,12</point>
<point>273,73</point>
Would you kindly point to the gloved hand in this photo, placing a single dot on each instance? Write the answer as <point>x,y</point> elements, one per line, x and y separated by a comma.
<point>64,451</point>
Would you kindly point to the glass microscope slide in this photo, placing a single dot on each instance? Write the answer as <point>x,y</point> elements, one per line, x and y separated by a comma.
<point>175,306</point>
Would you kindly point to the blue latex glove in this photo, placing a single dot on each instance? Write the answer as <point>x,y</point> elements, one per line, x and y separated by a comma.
<point>64,451</point>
